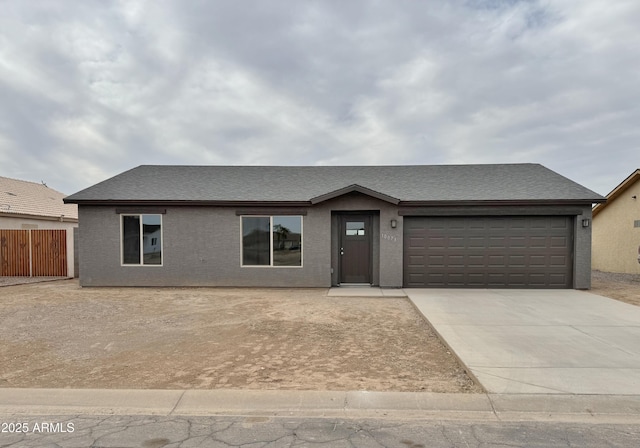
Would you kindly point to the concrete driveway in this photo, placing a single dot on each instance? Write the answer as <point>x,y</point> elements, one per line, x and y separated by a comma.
<point>539,341</point>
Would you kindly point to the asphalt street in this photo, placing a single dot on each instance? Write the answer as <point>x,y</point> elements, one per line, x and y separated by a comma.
<point>253,431</point>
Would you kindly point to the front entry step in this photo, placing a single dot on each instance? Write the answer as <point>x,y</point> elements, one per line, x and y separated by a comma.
<point>365,291</point>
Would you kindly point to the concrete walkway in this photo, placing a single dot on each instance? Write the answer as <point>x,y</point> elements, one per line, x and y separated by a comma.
<point>539,341</point>
<point>365,291</point>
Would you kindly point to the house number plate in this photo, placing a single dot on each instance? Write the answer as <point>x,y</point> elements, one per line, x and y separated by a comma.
<point>386,236</point>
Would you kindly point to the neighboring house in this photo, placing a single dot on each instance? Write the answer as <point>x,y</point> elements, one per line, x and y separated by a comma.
<point>498,226</point>
<point>616,229</point>
<point>29,211</point>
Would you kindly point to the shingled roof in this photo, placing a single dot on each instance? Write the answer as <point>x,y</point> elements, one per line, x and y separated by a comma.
<point>22,198</point>
<point>312,184</point>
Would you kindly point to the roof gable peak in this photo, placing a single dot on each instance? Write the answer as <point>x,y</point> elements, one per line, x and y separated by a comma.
<point>354,188</point>
<point>630,180</point>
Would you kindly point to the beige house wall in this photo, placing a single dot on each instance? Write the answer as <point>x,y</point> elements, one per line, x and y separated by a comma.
<point>19,223</point>
<point>615,239</point>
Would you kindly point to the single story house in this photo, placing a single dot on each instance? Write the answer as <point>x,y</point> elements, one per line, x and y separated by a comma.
<point>616,229</point>
<point>477,226</point>
<point>36,230</point>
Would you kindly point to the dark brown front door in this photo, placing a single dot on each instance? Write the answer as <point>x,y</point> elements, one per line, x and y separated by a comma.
<point>355,249</point>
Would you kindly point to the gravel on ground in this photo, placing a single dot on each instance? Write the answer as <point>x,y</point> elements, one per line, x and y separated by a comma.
<point>623,287</point>
<point>57,334</point>
<point>12,281</point>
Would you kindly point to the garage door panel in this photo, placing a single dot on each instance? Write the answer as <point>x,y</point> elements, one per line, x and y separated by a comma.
<point>558,242</point>
<point>496,261</point>
<point>497,242</point>
<point>476,261</point>
<point>537,280</point>
<point>558,261</point>
<point>538,242</point>
<point>436,242</point>
<point>558,224</point>
<point>517,278</point>
<point>510,252</point>
<point>457,242</point>
<point>418,243</point>
<point>475,280</point>
<point>537,261</point>
<point>517,242</point>
<point>557,280</point>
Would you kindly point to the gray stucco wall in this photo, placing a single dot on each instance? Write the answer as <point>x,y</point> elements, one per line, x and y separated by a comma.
<point>76,262</point>
<point>582,251</point>
<point>201,247</point>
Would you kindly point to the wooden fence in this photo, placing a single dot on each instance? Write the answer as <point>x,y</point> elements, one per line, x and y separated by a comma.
<point>33,253</point>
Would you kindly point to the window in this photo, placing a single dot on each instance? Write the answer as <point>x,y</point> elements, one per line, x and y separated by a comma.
<point>142,234</point>
<point>272,241</point>
<point>355,228</point>
<point>636,223</point>
<point>256,248</point>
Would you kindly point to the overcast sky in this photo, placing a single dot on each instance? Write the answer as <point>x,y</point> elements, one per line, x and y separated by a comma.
<point>89,89</point>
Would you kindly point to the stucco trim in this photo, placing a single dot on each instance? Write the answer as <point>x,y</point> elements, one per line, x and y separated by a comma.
<point>267,211</point>
<point>490,211</point>
<point>141,210</point>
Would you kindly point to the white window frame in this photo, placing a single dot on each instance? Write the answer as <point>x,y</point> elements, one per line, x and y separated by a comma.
<point>141,264</point>
<point>270,265</point>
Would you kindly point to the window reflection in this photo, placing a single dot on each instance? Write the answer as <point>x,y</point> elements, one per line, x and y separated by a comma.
<point>131,239</point>
<point>287,241</point>
<point>255,241</point>
<point>151,239</point>
<point>142,239</point>
<point>272,240</point>
<point>355,228</point>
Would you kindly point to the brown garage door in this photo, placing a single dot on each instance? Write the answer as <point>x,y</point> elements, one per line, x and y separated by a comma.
<point>488,252</point>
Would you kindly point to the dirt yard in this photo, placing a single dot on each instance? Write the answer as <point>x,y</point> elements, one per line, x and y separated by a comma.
<point>57,334</point>
<point>623,287</point>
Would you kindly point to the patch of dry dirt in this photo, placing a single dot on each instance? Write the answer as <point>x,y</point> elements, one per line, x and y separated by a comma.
<point>10,281</point>
<point>59,335</point>
<point>623,287</point>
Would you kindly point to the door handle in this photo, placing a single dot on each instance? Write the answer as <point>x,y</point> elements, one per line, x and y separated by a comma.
<point>342,251</point>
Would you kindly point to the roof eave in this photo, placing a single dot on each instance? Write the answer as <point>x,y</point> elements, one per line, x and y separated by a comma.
<point>492,202</point>
<point>165,202</point>
<point>319,199</point>
<point>61,218</point>
<point>617,191</point>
